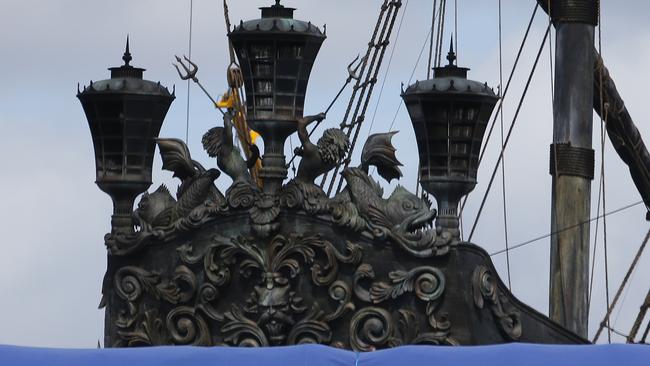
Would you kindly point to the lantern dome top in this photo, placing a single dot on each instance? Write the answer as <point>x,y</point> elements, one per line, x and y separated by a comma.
<point>277,18</point>
<point>126,79</point>
<point>450,79</point>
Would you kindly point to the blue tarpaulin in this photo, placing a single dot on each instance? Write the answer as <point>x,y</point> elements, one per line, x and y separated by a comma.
<point>313,355</point>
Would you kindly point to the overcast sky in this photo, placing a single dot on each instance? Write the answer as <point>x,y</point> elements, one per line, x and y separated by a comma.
<point>53,217</point>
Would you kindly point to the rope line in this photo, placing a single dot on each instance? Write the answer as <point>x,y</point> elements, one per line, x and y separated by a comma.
<point>503,165</point>
<point>531,241</point>
<point>456,29</point>
<point>604,323</point>
<point>432,31</point>
<point>505,93</point>
<point>390,62</point>
<point>441,30</point>
<point>594,254</point>
<point>512,125</point>
<point>361,86</point>
<point>602,170</point>
<point>371,79</point>
<point>189,53</point>
<point>417,63</point>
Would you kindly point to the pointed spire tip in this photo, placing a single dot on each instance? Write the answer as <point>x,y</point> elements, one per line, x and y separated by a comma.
<point>451,56</point>
<point>127,53</point>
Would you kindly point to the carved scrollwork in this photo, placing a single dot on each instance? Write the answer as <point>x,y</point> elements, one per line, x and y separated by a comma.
<point>272,308</point>
<point>310,330</point>
<point>409,332</point>
<point>325,273</point>
<point>241,331</point>
<point>208,294</point>
<point>371,328</point>
<point>131,282</point>
<point>242,195</point>
<point>428,283</point>
<point>185,281</point>
<point>485,289</point>
<point>149,331</point>
<point>186,327</point>
<point>340,292</point>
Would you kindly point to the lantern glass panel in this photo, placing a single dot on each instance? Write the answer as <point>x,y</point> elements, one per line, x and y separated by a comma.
<point>290,51</point>
<point>263,70</point>
<point>261,52</point>
<point>264,86</point>
<point>266,102</point>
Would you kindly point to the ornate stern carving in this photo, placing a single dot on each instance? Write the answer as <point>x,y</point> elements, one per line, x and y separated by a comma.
<point>374,327</point>
<point>297,285</point>
<point>485,289</point>
<point>273,313</point>
<point>402,219</point>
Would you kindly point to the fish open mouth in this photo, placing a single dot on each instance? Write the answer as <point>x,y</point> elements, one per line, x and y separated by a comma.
<point>420,222</point>
<point>417,232</point>
<point>417,235</point>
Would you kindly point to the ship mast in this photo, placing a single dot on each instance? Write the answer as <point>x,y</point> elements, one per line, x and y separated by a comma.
<point>572,161</point>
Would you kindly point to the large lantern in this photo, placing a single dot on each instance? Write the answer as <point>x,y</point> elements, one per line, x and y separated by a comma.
<point>449,115</point>
<point>276,55</point>
<point>125,114</point>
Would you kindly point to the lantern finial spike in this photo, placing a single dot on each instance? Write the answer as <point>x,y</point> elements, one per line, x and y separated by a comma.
<point>127,54</point>
<point>451,56</point>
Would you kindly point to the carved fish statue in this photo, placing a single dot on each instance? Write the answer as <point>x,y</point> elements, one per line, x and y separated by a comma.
<point>402,218</point>
<point>151,207</point>
<point>160,209</point>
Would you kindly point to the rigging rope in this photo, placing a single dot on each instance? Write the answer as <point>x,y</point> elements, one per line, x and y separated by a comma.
<point>605,321</point>
<point>593,260</point>
<point>645,334</point>
<point>512,125</point>
<point>505,93</point>
<point>602,169</point>
<point>417,63</point>
<point>441,30</point>
<point>503,166</point>
<point>432,31</point>
<point>367,101</point>
<point>367,87</point>
<point>532,241</point>
<point>456,29</point>
<point>189,52</point>
<point>359,85</point>
<point>390,62</point>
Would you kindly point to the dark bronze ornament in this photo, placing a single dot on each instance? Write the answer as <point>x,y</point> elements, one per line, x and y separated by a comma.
<point>449,114</point>
<point>276,55</point>
<point>125,114</point>
<point>286,264</point>
<point>485,289</point>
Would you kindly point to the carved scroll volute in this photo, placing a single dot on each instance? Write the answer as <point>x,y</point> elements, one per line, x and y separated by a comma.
<point>485,289</point>
<point>371,328</point>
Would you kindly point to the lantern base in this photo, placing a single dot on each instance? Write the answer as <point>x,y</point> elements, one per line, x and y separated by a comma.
<point>274,165</point>
<point>123,195</point>
<point>448,193</point>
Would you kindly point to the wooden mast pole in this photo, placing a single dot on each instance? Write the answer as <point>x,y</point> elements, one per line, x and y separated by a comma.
<point>572,160</point>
